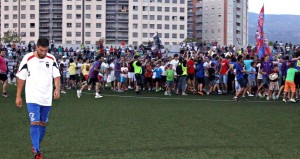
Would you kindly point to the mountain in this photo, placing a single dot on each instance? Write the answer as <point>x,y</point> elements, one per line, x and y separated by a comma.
<point>285,28</point>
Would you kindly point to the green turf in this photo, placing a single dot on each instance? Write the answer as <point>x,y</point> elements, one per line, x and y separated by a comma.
<point>160,127</point>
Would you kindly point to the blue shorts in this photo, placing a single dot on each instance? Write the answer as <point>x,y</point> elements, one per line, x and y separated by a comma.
<point>170,83</point>
<point>37,113</point>
<point>117,77</point>
<point>123,79</point>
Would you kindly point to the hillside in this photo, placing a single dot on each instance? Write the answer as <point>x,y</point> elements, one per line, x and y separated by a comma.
<point>285,28</point>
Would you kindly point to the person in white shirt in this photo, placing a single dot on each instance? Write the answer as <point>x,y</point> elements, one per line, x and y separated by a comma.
<point>37,70</point>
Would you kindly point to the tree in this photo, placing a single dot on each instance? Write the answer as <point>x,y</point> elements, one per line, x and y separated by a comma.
<point>271,43</point>
<point>11,36</point>
<point>189,40</point>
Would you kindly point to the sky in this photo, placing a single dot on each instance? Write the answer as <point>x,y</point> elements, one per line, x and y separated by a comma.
<point>275,6</point>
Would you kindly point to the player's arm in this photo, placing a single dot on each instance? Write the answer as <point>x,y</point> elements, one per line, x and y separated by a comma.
<point>20,87</point>
<point>56,76</point>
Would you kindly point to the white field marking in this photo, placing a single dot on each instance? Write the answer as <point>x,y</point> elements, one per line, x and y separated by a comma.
<point>183,99</point>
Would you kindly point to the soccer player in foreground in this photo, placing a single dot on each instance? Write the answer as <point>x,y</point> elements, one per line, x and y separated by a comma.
<point>37,70</point>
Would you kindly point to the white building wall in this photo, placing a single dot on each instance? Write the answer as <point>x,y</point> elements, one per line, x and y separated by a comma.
<point>72,25</point>
<point>141,30</point>
<point>29,26</point>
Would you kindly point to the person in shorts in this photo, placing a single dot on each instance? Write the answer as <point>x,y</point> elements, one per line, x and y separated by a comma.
<point>274,85</point>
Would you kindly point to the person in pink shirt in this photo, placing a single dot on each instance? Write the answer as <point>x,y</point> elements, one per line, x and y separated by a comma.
<point>3,72</point>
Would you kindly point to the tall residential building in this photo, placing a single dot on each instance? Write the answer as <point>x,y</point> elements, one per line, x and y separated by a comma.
<point>190,20</point>
<point>83,21</point>
<point>197,19</point>
<point>117,21</point>
<point>0,21</point>
<point>50,19</point>
<point>224,21</point>
<point>167,18</point>
<point>20,17</point>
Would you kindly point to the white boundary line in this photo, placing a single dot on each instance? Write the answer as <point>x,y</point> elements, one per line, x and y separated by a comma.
<point>183,99</point>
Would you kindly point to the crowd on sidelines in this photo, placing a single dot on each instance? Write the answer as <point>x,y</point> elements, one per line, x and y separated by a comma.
<point>202,70</point>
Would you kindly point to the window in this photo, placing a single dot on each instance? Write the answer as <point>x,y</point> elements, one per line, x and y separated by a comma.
<point>78,16</point>
<point>174,27</point>
<point>15,7</point>
<point>69,34</point>
<point>78,7</point>
<point>167,26</point>
<point>152,17</point>
<point>23,16</point>
<point>181,18</point>
<point>98,34</point>
<point>174,18</point>
<point>15,16</point>
<point>32,7</point>
<point>88,25</point>
<point>32,25</point>
<point>135,8</point>
<point>6,8</point>
<point>182,1</point>
<point>6,16</point>
<point>32,16</point>
<point>69,16</point>
<point>23,25</point>
<point>98,16</point>
<point>134,34</point>
<point>69,25</point>
<point>175,1</point>
<point>145,26</point>
<point>32,34</point>
<point>98,7</point>
<point>23,34</point>
<point>15,25</point>
<point>88,42</point>
<point>98,25</point>
<point>159,17</point>
<point>152,8</point>
<point>167,18</point>
<point>145,17</point>
<point>135,25</point>
<point>167,9</point>
<point>181,36</point>
<point>135,16</point>
<point>145,35</point>
<point>69,7</point>
<point>78,34</point>
<point>68,42</point>
<point>88,16</point>
<point>159,9</point>
<point>6,25</point>
<point>152,26</point>
<point>167,35</point>
<point>88,34</point>
<point>78,25</point>
<point>167,1</point>
<point>182,10</point>
<point>181,27</point>
<point>159,26</point>
<point>174,35</point>
<point>174,9</point>
<point>23,7</point>
<point>88,7</point>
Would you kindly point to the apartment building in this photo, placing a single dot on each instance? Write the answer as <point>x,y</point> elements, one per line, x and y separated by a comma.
<point>50,19</point>
<point>21,17</point>
<point>0,20</point>
<point>224,21</point>
<point>167,18</point>
<point>83,21</point>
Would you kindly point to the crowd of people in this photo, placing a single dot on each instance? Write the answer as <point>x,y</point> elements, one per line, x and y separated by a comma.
<point>198,68</point>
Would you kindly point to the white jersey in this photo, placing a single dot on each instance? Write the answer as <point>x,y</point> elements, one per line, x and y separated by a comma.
<point>39,74</point>
<point>174,64</point>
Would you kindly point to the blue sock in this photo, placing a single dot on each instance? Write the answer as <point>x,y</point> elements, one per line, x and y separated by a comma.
<point>42,132</point>
<point>35,136</point>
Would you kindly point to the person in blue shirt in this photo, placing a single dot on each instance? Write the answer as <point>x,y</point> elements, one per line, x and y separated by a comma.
<point>200,75</point>
<point>240,77</point>
<point>158,71</point>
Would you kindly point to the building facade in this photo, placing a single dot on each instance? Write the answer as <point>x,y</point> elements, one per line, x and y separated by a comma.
<point>222,21</point>
<point>21,17</point>
<point>167,18</point>
<point>83,21</point>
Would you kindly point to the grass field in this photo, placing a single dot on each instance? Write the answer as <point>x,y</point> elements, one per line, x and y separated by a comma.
<point>154,126</point>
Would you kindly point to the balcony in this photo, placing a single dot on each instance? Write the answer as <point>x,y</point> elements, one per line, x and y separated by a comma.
<point>199,13</point>
<point>110,28</point>
<point>190,14</point>
<point>44,30</point>
<point>57,28</point>
<point>199,5</point>
<point>44,19</point>
<point>110,20</point>
<point>238,28</point>
<point>57,1</point>
<point>44,10</point>
<point>57,19</point>
<point>124,2</point>
<point>199,20</point>
<point>57,10</point>
<point>199,28</point>
<point>113,2</point>
<point>110,37</point>
<point>44,1</point>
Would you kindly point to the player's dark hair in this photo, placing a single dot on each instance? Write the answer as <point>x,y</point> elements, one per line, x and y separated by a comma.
<point>43,42</point>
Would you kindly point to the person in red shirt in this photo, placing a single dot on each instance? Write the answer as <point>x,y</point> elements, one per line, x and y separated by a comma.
<point>224,64</point>
<point>191,74</point>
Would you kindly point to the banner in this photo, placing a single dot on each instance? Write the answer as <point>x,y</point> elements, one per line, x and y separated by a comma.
<point>262,46</point>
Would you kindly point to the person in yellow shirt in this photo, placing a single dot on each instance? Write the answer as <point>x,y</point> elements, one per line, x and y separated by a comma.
<point>85,68</point>
<point>72,72</point>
